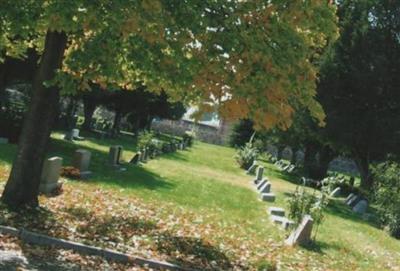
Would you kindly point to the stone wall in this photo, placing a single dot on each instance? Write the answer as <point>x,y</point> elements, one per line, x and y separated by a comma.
<point>210,134</point>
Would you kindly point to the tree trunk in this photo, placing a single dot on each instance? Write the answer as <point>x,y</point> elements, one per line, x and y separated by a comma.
<point>2,83</point>
<point>326,155</point>
<point>293,159</point>
<point>310,153</point>
<point>22,187</point>
<point>89,106</point>
<point>117,123</point>
<point>362,161</point>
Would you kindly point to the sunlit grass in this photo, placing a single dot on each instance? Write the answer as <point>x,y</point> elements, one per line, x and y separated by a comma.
<point>206,180</point>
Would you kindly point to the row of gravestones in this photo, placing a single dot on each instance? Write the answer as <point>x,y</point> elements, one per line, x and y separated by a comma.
<point>81,161</point>
<point>284,166</point>
<point>149,153</point>
<point>300,235</point>
<point>357,203</point>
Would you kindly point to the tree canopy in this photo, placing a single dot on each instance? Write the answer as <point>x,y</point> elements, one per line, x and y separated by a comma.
<point>359,84</point>
<point>252,58</point>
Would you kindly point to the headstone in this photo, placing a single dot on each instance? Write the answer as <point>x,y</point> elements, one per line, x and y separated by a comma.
<point>282,221</point>
<point>3,140</point>
<point>349,197</point>
<point>361,207</point>
<point>266,188</point>
<point>260,172</point>
<point>259,184</point>
<point>354,200</point>
<point>336,192</point>
<point>115,155</point>
<point>268,197</point>
<point>145,154</point>
<point>351,181</point>
<point>75,135</point>
<point>82,161</point>
<point>141,158</point>
<point>68,136</point>
<point>50,175</point>
<point>276,211</point>
<point>136,158</point>
<point>252,168</point>
<point>302,235</point>
<point>291,168</point>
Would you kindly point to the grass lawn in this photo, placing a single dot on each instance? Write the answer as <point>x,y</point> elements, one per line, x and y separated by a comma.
<point>195,208</point>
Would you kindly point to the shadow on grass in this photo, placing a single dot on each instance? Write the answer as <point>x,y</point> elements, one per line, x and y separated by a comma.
<point>338,208</point>
<point>176,156</point>
<point>106,229</point>
<point>193,252</point>
<point>290,177</point>
<point>7,153</point>
<point>132,177</point>
<point>320,247</point>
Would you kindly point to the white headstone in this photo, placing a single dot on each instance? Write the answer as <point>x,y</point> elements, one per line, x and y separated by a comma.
<point>75,133</point>
<point>3,140</point>
<point>50,175</point>
<point>336,192</point>
<point>349,197</point>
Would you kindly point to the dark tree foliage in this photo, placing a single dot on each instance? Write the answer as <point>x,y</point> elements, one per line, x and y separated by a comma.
<point>359,83</point>
<point>241,133</point>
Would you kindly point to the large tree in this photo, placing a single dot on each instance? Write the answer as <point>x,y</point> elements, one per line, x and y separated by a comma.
<point>359,86</point>
<point>250,57</point>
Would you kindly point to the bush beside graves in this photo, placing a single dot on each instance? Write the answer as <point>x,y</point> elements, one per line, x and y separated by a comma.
<point>246,155</point>
<point>303,203</point>
<point>387,195</point>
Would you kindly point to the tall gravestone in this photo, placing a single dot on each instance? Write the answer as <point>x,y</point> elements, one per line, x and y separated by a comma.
<point>50,175</point>
<point>260,172</point>
<point>115,155</point>
<point>302,235</point>
<point>81,161</point>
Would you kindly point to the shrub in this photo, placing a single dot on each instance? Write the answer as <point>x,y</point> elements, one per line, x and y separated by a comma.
<point>12,113</point>
<point>302,203</point>
<point>144,139</point>
<point>246,155</point>
<point>387,195</point>
<point>188,137</point>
